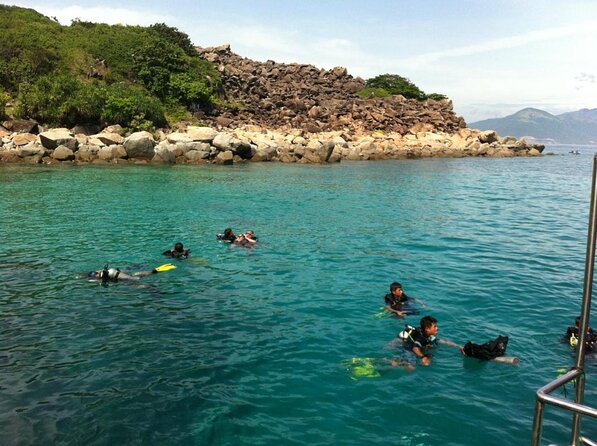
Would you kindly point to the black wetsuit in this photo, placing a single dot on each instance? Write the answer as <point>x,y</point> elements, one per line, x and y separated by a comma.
<point>590,340</point>
<point>177,254</point>
<point>395,302</point>
<point>417,338</point>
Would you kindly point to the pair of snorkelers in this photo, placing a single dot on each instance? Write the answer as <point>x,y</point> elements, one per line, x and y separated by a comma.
<point>421,340</point>
<point>247,239</point>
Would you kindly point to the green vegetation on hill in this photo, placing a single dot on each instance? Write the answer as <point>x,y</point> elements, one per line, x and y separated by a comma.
<point>386,85</point>
<point>100,74</point>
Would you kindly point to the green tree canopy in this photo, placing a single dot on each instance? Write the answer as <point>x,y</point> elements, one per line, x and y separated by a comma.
<point>62,74</point>
<point>393,84</point>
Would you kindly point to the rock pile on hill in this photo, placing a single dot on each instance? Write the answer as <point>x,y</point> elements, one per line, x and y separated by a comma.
<point>296,96</point>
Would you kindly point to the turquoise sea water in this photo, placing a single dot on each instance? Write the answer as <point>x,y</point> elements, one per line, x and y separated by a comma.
<point>240,346</point>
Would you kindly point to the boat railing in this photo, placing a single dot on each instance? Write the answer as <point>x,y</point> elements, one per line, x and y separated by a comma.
<point>577,372</point>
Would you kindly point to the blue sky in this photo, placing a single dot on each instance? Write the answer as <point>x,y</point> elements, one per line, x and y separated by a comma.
<point>492,58</point>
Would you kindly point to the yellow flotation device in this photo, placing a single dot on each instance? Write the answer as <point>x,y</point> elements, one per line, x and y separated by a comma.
<point>165,267</point>
<point>362,368</point>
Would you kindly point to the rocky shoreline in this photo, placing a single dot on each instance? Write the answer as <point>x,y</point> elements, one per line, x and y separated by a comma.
<point>206,145</point>
<point>291,113</point>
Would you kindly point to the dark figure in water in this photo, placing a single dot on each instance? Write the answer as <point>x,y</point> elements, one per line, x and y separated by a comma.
<point>178,252</point>
<point>397,301</point>
<point>423,339</point>
<point>573,333</point>
<point>227,236</point>
<point>115,274</point>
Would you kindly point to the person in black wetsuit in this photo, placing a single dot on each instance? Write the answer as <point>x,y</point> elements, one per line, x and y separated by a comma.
<point>115,275</point>
<point>178,252</point>
<point>227,236</point>
<point>396,300</point>
<point>572,335</point>
<point>424,338</point>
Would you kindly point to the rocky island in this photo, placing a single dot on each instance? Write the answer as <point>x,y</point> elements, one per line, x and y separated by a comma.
<point>292,113</point>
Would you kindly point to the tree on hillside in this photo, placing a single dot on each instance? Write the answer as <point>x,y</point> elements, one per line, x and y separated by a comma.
<point>394,84</point>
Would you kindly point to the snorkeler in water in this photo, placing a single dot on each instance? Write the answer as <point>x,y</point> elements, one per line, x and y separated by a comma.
<point>572,335</point>
<point>227,236</point>
<point>422,339</point>
<point>397,301</point>
<point>107,274</point>
<point>178,252</point>
<point>115,274</point>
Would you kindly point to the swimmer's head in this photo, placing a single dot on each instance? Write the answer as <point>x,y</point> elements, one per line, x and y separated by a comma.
<point>178,247</point>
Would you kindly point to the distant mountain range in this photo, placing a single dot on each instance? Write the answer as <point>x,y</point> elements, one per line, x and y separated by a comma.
<point>578,127</point>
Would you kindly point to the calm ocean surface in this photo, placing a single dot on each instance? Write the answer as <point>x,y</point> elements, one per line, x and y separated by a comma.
<point>250,346</point>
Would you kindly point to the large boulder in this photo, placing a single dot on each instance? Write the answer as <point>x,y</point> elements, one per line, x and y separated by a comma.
<point>22,139</point>
<point>177,137</point>
<point>195,156</point>
<point>224,141</point>
<point>62,153</point>
<point>265,152</point>
<point>226,157</point>
<point>22,126</point>
<point>85,129</point>
<point>164,155</point>
<point>488,136</point>
<point>31,149</point>
<point>58,137</point>
<point>140,145</point>
<point>86,153</point>
<point>109,153</point>
<point>108,138</point>
<point>201,134</point>
<point>244,150</point>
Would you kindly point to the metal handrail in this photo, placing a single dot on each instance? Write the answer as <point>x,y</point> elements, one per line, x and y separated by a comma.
<point>577,372</point>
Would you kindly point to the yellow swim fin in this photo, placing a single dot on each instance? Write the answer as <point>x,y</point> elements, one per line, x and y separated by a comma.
<point>165,267</point>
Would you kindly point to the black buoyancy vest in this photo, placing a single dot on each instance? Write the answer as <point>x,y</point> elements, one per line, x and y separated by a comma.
<point>489,350</point>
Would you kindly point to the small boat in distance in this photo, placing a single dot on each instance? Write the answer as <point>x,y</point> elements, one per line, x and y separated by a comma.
<point>574,152</point>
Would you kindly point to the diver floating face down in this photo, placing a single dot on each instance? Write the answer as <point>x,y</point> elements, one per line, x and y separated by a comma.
<point>110,275</point>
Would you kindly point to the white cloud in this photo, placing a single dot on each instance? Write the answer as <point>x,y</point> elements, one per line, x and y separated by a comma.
<point>101,14</point>
<point>504,43</point>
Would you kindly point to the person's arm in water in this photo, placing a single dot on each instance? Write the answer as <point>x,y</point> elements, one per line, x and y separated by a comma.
<point>398,313</point>
<point>419,302</point>
<point>390,303</point>
<point>425,359</point>
<point>451,344</point>
<point>140,274</point>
